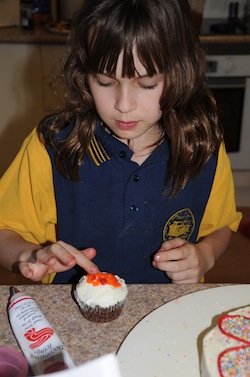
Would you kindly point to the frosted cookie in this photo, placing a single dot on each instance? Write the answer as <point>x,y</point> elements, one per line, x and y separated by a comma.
<point>226,348</point>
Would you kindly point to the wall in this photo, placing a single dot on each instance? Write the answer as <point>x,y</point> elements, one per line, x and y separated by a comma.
<point>197,5</point>
<point>9,12</point>
<point>219,8</point>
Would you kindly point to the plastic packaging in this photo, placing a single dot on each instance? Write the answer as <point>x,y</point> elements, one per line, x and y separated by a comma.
<point>12,363</point>
<point>37,339</point>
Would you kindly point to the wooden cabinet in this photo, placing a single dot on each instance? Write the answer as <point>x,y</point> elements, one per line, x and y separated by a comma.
<point>25,94</point>
<point>51,55</point>
<point>20,96</point>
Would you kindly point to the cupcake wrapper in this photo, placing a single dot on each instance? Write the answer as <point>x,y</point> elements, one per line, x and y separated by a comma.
<point>99,314</point>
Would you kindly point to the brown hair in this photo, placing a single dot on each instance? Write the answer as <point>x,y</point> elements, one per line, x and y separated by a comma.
<point>166,42</point>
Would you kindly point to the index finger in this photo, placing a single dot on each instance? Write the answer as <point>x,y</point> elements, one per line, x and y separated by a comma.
<point>80,258</point>
<point>172,244</point>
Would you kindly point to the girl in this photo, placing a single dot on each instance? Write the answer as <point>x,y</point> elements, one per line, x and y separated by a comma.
<point>133,171</point>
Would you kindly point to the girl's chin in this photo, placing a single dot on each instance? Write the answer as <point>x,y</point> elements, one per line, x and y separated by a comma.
<point>122,134</point>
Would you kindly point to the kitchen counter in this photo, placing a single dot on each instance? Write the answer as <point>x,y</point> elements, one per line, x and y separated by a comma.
<point>37,35</point>
<point>83,339</point>
<point>226,44</point>
<point>214,44</point>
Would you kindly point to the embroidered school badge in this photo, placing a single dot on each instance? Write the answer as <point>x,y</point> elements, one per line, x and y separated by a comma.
<point>180,224</point>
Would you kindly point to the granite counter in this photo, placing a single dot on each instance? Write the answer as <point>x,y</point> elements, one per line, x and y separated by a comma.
<point>83,339</point>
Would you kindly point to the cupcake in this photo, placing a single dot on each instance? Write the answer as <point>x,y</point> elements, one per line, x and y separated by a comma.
<point>101,296</point>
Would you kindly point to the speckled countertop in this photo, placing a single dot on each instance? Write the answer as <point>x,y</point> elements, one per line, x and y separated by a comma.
<point>83,339</point>
<point>214,44</point>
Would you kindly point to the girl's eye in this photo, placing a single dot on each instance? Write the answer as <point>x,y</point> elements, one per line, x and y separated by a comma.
<point>143,86</point>
<point>103,84</point>
<point>104,81</point>
<point>149,82</point>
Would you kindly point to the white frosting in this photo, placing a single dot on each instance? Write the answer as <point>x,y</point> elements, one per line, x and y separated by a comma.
<point>216,342</point>
<point>101,295</point>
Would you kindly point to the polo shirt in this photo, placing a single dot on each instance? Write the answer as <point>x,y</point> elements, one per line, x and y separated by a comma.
<point>117,206</point>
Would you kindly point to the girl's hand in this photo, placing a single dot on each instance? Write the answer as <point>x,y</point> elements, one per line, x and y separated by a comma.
<point>56,257</point>
<point>182,261</point>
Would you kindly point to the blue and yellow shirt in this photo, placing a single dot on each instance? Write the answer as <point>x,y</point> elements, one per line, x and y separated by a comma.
<point>117,206</point>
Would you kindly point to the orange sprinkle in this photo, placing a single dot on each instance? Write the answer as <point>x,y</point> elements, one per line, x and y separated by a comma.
<point>102,278</point>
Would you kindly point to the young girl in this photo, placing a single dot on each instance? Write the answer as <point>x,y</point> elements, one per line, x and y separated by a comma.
<point>132,176</point>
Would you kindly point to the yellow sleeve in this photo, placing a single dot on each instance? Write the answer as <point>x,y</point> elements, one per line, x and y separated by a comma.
<point>221,208</point>
<point>27,201</point>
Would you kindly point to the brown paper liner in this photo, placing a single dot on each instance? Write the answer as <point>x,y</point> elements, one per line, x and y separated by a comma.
<point>99,314</point>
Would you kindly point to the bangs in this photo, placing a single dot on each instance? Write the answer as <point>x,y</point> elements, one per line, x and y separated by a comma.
<point>108,41</point>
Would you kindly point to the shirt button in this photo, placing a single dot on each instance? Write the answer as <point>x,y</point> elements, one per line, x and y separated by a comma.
<point>134,208</point>
<point>136,178</point>
<point>122,154</point>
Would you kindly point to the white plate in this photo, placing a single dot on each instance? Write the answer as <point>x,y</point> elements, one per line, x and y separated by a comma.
<point>167,341</point>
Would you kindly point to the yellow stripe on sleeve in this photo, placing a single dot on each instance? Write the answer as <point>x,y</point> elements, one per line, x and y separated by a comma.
<point>221,207</point>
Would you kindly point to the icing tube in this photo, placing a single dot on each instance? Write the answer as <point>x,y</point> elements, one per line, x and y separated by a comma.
<point>37,339</point>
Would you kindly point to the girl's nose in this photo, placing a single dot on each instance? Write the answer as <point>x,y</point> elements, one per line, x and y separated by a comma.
<point>125,99</point>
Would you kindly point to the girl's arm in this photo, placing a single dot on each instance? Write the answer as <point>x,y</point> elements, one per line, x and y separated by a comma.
<point>185,262</point>
<point>36,261</point>
<point>12,245</point>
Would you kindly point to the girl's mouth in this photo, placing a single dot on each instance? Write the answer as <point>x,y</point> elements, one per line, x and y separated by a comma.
<point>125,125</point>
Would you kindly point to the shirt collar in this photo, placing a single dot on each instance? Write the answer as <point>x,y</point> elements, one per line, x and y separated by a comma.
<point>104,146</point>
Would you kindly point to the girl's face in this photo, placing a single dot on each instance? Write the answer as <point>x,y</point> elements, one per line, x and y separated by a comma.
<point>129,106</point>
